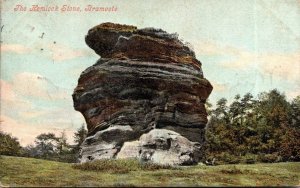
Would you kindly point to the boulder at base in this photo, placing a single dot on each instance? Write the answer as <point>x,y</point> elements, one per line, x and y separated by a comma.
<point>144,98</point>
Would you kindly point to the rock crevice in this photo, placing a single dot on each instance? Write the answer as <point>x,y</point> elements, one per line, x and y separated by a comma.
<point>143,98</point>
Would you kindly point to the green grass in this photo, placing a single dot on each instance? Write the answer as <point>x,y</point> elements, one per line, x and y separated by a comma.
<point>18,171</point>
<point>120,166</point>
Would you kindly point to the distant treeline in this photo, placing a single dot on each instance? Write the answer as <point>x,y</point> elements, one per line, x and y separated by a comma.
<point>47,146</point>
<point>249,130</point>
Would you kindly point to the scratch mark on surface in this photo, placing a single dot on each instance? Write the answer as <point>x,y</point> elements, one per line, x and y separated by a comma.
<point>2,27</point>
<point>42,35</point>
<point>283,25</point>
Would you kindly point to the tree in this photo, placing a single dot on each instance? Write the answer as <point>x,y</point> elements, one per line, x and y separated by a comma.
<point>234,110</point>
<point>222,110</point>
<point>295,112</point>
<point>208,107</point>
<point>273,112</point>
<point>46,145</point>
<point>29,151</point>
<point>9,145</point>
<point>79,136</point>
<point>220,137</point>
<point>62,144</point>
<point>290,145</point>
<point>65,152</point>
<point>265,129</point>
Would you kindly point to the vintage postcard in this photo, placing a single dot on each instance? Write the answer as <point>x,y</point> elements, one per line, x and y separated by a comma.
<point>150,93</point>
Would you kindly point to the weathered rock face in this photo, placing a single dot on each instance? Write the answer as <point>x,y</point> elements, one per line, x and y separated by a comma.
<point>163,147</point>
<point>144,97</point>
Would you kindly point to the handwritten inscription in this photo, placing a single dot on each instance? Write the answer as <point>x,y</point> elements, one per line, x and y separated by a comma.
<point>64,8</point>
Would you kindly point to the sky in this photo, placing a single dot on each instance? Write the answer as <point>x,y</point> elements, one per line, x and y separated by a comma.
<point>244,46</point>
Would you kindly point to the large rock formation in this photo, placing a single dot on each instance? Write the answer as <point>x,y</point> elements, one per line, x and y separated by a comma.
<point>144,98</point>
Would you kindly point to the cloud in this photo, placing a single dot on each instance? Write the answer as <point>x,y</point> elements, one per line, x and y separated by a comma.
<point>241,61</point>
<point>26,133</point>
<point>14,48</point>
<point>31,104</point>
<point>281,65</point>
<point>30,95</point>
<point>233,58</point>
<point>255,71</point>
<point>56,52</point>
<point>6,91</point>
<point>207,47</point>
<point>293,93</point>
<point>35,85</point>
<point>62,52</point>
<point>10,99</point>
<point>218,87</point>
<point>285,66</point>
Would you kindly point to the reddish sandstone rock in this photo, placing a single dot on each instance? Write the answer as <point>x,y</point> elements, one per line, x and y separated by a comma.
<point>146,79</point>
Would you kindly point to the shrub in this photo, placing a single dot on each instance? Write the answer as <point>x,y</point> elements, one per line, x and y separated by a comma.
<point>249,159</point>
<point>269,158</point>
<point>226,158</point>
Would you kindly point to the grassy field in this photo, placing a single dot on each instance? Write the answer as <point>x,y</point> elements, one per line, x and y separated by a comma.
<point>18,171</point>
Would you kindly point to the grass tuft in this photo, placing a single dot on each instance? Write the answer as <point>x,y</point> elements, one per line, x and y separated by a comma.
<point>120,166</point>
<point>233,170</point>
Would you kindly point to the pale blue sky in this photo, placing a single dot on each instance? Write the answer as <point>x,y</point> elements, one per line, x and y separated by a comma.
<point>244,46</point>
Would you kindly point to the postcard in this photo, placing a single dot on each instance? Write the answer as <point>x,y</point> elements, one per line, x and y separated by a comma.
<point>150,93</point>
